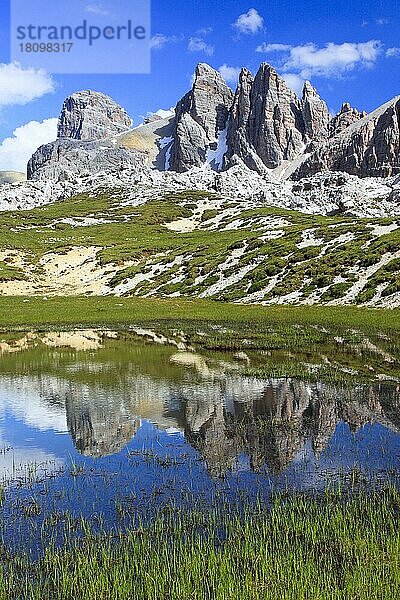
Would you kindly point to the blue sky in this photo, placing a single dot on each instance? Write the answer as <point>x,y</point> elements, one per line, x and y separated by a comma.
<point>348,49</point>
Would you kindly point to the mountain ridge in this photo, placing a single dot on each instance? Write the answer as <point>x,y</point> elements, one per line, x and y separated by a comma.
<point>264,214</point>
<point>262,125</point>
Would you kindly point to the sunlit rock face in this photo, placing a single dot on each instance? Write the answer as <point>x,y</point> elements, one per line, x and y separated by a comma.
<point>344,118</point>
<point>266,126</point>
<point>87,127</point>
<point>89,115</point>
<point>275,126</point>
<point>367,147</point>
<point>69,159</point>
<point>201,116</point>
<point>315,113</point>
<point>266,123</point>
<point>262,125</point>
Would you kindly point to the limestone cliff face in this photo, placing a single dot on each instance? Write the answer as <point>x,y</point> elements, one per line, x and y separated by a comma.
<point>67,159</point>
<point>200,116</point>
<point>345,117</point>
<point>86,127</point>
<point>263,125</point>
<point>268,126</point>
<point>369,147</point>
<point>315,112</point>
<point>89,115</point>
<point>266,122</point>
<point>239,145</point>
<point>275,126</point>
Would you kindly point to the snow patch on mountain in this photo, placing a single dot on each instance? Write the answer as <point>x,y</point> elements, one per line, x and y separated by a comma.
<point>215,158</point>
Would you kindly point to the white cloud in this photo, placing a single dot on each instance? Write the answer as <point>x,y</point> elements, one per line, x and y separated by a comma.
<point>96,9</point>
<point>249,23</point>
<point>197,44</point>
<point>230,74</point>
<point>295,82</point>
<point>393,52</point>
<point>264,47</point>
<point>380,22</point>
<point>16,151</point>
<point>159,40</point>
<point>204,31</point>
<point>20,86</point>
<point>332,60</point>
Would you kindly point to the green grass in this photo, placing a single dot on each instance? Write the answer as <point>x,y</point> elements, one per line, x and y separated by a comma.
<point>139,234</point>
<point>10,273</point>
<point>304,548</point>
<point>18,312</point>
<point>337,345</point>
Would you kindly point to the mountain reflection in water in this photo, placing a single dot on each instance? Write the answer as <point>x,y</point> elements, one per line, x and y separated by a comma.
<point>59,382</point>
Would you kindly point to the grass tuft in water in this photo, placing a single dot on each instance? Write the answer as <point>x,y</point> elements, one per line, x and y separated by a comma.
<point>303,547</point>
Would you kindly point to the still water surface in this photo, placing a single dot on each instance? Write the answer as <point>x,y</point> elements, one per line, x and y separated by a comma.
<point>106,426</point>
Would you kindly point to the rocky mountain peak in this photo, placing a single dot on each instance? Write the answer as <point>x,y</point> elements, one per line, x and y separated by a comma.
<point>309,91</point>
<point>363,145</point>
<point>89,115</point>
<point>315,113</point>
<point>275,126</point>
<point>241,103</point>
<point>346,107</point>
<point>345,117</point>
<point>204,70</point>
<point>239,145</point>
<point>87,118</point>
<point>209,100</point>
<point>263,125</point>
<point>245,75</point>
<point>200,116</point>
<point>273,86</point>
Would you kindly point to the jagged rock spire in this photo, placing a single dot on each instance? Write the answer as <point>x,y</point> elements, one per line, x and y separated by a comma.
<point>345,117</point>
<point>266,123</point>
<point>368,147</point>
<point>200,116</point>
<point>263,125</point>
<point>315,113</point>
